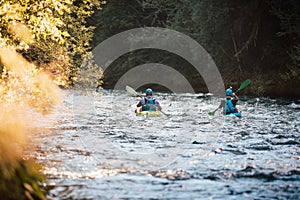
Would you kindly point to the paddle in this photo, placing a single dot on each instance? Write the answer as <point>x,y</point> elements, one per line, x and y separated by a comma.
<point>133,92</point>
<point>213,112</point>
<point>243,85</point>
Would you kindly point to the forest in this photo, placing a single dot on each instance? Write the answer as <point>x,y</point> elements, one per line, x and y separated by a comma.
<point>256,39</point>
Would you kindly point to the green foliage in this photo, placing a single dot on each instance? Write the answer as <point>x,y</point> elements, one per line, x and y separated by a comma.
<point>243,37</point>
<point>20,180</point>
<point>292,70</point>
<point>56,30</point>
<point>54,36</point>
<point>288,12</point>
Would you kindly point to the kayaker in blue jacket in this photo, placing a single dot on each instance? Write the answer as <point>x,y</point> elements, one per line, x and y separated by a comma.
<point>230,103</point>
<point>148,103</point>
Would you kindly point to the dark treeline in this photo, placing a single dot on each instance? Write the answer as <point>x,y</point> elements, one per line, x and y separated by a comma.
<point>257,39</point>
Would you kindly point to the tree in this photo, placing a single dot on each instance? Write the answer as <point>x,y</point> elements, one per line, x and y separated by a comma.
<point>57,34</point>
<point>38,40</point>
<point>245,38</point>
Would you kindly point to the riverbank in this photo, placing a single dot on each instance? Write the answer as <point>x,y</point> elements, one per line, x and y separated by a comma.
<point>259,87</point>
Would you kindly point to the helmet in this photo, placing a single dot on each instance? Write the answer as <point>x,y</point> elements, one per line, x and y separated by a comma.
<point>229,92</point>
<point>148,91</point>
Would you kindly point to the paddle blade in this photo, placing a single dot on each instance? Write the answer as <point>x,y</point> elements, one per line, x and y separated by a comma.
<point>211,113</point>
<point>244,84</point>
<point>131,90</point>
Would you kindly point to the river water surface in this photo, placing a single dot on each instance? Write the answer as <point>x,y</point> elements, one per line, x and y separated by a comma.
<point>96,148</point>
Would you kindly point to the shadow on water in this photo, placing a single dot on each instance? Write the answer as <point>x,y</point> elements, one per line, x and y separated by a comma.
<point>100,151</point>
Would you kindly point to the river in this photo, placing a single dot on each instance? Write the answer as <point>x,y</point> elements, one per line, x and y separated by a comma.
<point>96,148</point>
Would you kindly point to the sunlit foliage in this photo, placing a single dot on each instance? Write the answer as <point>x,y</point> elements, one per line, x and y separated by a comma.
<point>51,33</point>
<point>42,42</point>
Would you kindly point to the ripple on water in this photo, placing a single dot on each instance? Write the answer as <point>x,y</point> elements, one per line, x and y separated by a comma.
<point>103,152</point>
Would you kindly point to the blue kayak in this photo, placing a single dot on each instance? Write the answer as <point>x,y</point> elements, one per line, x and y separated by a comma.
<point>237,114</point>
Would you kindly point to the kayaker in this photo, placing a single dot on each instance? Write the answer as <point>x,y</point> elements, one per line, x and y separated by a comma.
<point>230,103</point>
<point>148,103</point>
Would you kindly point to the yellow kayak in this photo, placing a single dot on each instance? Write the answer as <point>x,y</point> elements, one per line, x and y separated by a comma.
<point>148,113</point>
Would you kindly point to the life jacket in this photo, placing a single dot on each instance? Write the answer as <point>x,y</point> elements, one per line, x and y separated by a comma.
<point>147,105</point>
<point>229,107</point>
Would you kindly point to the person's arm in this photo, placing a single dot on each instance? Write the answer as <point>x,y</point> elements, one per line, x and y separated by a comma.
<point>235,96</point>
<point>141,103</point>
<point>157,105</point>
<point>139,106</point>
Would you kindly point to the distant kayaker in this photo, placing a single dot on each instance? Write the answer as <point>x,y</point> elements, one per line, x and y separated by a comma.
<point>148,103</point>
<point>230,103</point>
